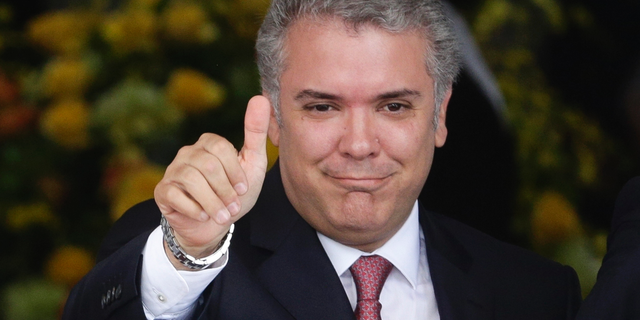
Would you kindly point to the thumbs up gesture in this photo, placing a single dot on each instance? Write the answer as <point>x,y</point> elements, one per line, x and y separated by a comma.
<point>210,185</point>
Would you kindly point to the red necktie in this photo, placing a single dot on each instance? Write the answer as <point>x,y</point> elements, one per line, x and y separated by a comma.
<point>369,274</point>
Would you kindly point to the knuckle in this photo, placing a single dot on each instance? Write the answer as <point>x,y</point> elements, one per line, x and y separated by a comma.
<point>184,151</point>
<point>177,200</point>
<point>212,206</point>
<point>191,176</point>
<point>160,190</point>
<point>211,167</point>
<point>171,168</point>
<point>227,196</point>
<point>224,191</point>
<point>222,146</point>
<point>205,137</point>
<point>172,194</point>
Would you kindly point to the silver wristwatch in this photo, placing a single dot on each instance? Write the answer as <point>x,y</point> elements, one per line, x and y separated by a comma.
<point>188,260</point>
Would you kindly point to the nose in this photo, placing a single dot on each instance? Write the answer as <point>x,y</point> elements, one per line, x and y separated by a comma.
<point>360,138</point>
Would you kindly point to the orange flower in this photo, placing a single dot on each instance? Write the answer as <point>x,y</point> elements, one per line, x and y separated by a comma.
<point>23,216</point>
<point>9,91</point>
<point>554,219</point>
<point>133,30</point>
<point>136,186</point>
<point>16,120</point>
<point>193,92</point>
<point>145,4</point>
<point>62,32</point>
<point>66,123</point>
<point>126,159</point>
<point>68,265</point>
<point>65,78</point>
<point>272,154</point>
<point>243,15</point>
<point>188,22</point>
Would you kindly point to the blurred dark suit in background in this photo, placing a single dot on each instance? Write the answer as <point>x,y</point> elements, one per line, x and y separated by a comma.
<point>616,295</point>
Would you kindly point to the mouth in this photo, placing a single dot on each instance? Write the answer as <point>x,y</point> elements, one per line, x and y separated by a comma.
<point>360,184</point>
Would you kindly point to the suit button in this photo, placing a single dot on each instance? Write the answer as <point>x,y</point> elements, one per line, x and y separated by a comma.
<point>118,292</point>
<point>109,297</point>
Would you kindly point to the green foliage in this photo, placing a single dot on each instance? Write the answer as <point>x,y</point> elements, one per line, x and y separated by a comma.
<point>560,150</point>
<point>94,102</point>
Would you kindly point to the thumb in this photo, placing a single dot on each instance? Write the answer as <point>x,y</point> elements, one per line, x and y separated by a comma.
<point>256,127</point>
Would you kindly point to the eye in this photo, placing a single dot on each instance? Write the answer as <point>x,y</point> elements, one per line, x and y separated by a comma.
<point>319,107</point>
<point>394,107</point>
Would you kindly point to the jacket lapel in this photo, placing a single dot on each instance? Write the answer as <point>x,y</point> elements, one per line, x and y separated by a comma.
<point>298,273</point>
<point>459,295</point>
<point>309,287</point>
<point>301,277</point>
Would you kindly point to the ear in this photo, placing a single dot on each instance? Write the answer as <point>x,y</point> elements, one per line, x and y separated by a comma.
<point>274,127</point>
<point>441,131</point>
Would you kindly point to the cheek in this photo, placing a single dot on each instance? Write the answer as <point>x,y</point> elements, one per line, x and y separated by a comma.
<point>407,143</point>
<point>308,142</point>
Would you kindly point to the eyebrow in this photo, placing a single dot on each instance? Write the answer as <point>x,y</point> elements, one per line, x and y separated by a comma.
<point>404,93</point>
<point>313,94</point>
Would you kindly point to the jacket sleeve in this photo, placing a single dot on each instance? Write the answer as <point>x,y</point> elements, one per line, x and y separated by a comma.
<point>111,290</point>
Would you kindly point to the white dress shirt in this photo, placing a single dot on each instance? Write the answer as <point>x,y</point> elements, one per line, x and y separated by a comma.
<point>407,293</point>
<point>168,293</point>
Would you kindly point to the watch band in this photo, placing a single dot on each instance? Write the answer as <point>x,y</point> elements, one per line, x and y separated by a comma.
<point>188,260</point>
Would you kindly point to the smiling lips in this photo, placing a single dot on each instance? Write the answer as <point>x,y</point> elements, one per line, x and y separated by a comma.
<point>364,177</point>
<point>362,184</point>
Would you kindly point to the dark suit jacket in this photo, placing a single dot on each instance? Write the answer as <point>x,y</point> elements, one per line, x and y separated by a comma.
<point>616,294</point>
<point>278,270</point>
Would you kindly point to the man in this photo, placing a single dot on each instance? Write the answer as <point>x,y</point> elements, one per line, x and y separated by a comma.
<point>356,94</point>
<point>616,294</point>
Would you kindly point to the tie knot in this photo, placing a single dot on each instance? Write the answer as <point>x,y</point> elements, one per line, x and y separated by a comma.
<point>369,274</point>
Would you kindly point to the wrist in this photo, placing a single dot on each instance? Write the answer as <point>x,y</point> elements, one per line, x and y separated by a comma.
<point>183,259</point>
<point>195,251</point>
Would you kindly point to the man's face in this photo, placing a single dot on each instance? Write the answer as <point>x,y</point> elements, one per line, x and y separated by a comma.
<point>357,136</point>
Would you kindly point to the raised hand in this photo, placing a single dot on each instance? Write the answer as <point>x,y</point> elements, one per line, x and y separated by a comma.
<point>210,185</point>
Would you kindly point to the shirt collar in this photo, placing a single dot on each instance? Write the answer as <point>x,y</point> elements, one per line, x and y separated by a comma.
<point>403,250</point>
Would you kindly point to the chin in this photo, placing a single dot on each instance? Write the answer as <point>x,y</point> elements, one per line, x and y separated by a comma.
<point>362,219</point>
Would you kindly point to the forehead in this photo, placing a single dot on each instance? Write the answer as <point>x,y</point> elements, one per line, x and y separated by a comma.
<point>323,25</point>
<point>332,55</point>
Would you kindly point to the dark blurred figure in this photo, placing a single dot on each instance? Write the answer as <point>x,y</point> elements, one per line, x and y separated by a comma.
<point>592,63</point>
<point>473,177</point>
<point>616,294</point>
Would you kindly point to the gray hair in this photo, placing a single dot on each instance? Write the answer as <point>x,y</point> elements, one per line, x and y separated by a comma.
<point>425,16</point>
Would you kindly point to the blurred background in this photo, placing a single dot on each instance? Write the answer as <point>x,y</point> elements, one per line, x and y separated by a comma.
<point>96,97</point>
